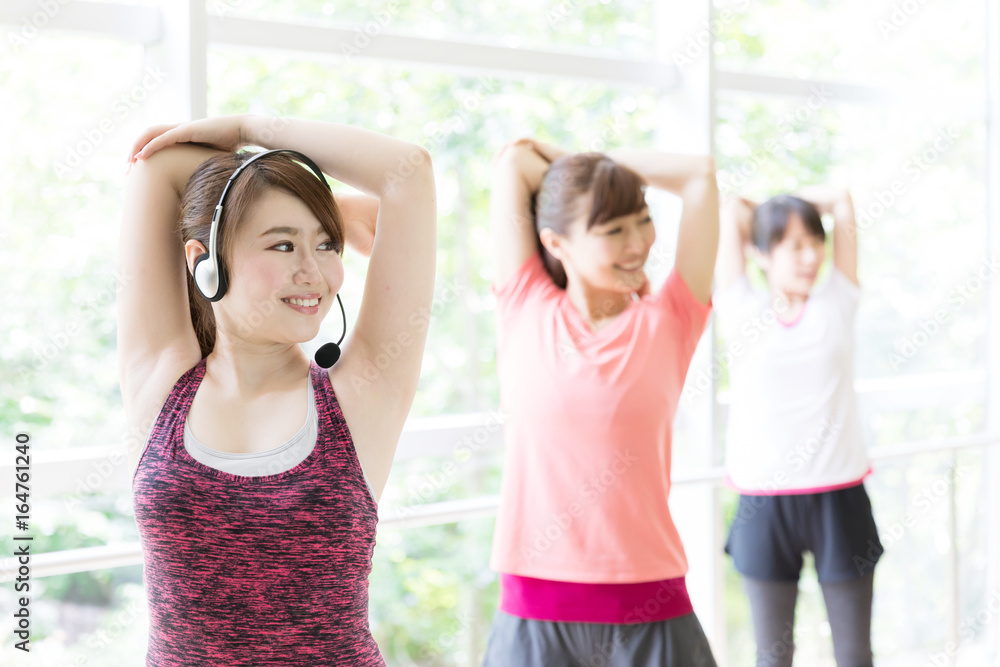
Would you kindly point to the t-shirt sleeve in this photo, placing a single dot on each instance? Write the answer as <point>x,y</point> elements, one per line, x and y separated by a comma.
<point>530,283</point>
<point>687,313</point>
<point>734,304</point>
<point>730,299</point>
<point>840,291</point>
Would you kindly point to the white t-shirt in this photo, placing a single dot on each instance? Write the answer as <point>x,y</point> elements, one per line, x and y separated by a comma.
<point>793,420</point>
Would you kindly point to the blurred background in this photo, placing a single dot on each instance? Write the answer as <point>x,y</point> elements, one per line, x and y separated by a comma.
<point>897,100</point>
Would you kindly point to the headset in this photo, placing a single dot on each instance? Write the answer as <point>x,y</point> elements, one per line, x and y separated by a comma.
<point>210,276</point>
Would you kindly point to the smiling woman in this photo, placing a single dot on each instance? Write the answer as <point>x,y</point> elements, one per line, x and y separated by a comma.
<point>219,374</point>
<point>591,407</point>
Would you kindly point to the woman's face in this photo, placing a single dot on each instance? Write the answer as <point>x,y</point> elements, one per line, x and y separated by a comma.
<point>280,252</point>
<point>793,263</point>
<point>609,256</point>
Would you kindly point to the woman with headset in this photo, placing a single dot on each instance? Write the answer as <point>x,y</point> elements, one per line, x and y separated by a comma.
<point>591,365</point>
<point>794,447</point>
<point>256,490</point>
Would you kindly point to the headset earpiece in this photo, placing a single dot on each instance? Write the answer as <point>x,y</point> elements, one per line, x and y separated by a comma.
<point>211,282</point>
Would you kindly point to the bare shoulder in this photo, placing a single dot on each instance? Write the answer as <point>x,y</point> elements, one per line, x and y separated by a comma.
<point>148,385</point>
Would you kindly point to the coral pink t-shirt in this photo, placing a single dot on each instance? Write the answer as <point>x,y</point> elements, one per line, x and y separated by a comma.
<point>588,419</point>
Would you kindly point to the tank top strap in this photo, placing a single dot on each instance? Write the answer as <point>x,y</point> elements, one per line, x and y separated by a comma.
<point>170,419</point>
<point>187,386</point>
<point>328,412</point>
<point>331,422</point>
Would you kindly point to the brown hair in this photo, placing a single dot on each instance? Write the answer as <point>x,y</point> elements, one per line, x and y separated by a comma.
<point>201,195</point>
<point>574,182</point>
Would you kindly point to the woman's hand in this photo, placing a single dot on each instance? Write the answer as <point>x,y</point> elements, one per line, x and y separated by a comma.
<point>739,212</point>
<point>825,198</point>
<point>522,157</point>
<point>222,132</point>
<point>547,152</point>
<point>509,146</point>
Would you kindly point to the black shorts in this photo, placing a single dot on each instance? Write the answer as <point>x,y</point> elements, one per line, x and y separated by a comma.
<point>770,533</point>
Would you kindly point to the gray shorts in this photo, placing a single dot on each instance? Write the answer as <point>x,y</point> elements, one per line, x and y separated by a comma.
<point>519,642</point>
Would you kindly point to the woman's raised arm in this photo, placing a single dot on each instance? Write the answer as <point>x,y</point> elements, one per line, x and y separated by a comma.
<point>735,220</point>
<point>838,203</point>
<point>518,170</point>
<point>154,319</point>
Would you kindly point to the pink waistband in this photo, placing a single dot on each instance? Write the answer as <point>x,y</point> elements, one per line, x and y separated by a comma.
<point>547,600</point>
<point>794,492</point>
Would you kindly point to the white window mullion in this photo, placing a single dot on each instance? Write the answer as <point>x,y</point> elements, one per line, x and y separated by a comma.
<point>450,55</point>
<point>181,59</point>
<point>992,84</point>
<point>684,41</point>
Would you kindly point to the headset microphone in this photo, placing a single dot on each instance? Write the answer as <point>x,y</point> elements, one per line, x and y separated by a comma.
<point>210,276</point>
<point>328,354</point>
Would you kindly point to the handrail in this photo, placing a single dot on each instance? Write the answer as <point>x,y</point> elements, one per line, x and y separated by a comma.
<point>69,561</point>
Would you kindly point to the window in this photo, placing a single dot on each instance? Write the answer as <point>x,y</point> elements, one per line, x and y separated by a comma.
<point>891,101</point>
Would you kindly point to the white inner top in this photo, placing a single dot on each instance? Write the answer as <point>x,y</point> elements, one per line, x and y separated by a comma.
<point>272,461</point>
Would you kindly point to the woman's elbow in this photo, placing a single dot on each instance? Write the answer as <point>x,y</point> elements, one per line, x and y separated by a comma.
<point>420,159</point>
<point>706,167</point>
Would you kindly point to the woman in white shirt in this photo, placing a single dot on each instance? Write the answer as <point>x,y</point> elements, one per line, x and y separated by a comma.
<point>794,447</point>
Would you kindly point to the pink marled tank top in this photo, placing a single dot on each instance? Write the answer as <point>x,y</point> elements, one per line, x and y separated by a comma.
<point>259,570</point>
